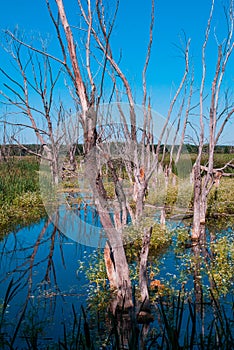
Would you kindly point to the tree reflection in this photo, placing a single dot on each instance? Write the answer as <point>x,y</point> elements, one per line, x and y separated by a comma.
<point>36,263</point>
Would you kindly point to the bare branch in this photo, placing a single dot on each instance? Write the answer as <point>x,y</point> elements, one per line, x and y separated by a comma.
<point>79,84</point>
<point>30,47</point>
<point>223,125</point>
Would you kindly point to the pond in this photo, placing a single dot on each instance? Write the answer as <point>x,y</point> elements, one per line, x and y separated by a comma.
<point>44,284</point>
<point>43,264</point>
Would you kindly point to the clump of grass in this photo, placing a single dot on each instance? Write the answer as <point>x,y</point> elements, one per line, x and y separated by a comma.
<point>20,201</point>
<point>177,193</point>
<point>18,177</point>
<point>220,201</point>
<point>133,234</point>
<point>183,237</point>
<point>215,262</point>
<point>98,288</point>
<point>221,268</point>
<point>110,189</point>
<point>24,209</point>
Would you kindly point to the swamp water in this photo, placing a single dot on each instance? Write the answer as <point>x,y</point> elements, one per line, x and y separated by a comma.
<point>43,285</point>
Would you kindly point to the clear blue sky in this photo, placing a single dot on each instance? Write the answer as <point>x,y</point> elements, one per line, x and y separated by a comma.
<point>131,36</point>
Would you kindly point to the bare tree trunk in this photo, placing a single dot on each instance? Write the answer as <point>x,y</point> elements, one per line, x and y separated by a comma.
<point>196,277</point>
<point>115,256</point>
<point>163,217</point>
<point>90,132</point>
<point>203,209</point>
<point>109,263</point>
<point>72,159</point>
<point>117,267</point>
<point>196,202</point>
<point>140,197</point>
<point>143,280</point>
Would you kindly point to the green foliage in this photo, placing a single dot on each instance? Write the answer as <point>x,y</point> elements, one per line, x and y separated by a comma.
<point>176,194</point>
<point>221,268</point>
<point>220,200</point>
<point>214,265</point>
<point>183,237</point>
<point>133,234</point>
<point>67,184</point>
<point>95,272</point>
<point>25,209</point>
<point>17,177</point>
<point>110,189</point>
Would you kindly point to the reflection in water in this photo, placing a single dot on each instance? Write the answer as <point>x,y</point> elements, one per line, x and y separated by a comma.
<point>81,224</point>
<point>43,265</point>
<point>47,281</point>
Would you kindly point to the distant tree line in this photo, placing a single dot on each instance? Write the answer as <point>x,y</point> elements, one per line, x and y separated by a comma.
<point>10,150</point>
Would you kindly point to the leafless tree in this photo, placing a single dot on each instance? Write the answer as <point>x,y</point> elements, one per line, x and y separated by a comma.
<point>87,90</point>
<point>218,117</point>
<point>34,78</point>
<point>87,70</point>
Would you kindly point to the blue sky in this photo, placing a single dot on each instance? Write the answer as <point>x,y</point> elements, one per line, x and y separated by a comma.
<point>131,37</point>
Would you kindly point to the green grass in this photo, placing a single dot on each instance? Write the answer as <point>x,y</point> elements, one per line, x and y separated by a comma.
<point>20,201</point>
<point>220,159</point>
<point>18,177</point>
<point>221,201</point>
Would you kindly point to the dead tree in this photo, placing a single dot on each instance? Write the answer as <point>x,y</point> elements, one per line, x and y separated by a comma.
<point>218,117</point>
<point>86,99</point>
<point>34,77</point>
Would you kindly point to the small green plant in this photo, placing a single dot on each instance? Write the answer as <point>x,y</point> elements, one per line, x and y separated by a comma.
<point>220,200</point>
<point>221,269</point>
<point>183,237</point>
<point>110,189</point>
<point>95,272</point>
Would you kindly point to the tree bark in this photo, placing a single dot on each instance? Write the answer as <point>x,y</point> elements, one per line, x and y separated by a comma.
<point>115,257</point>
<point>196,205</point>
<point>143,280</point>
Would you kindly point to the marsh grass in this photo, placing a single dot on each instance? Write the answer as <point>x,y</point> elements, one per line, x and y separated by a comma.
<point>220,159</point>
<point>179,196</point>
<point>221,201</point>
<point>133,234</point>
<point>20,201</point>
<point>18,176</point>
